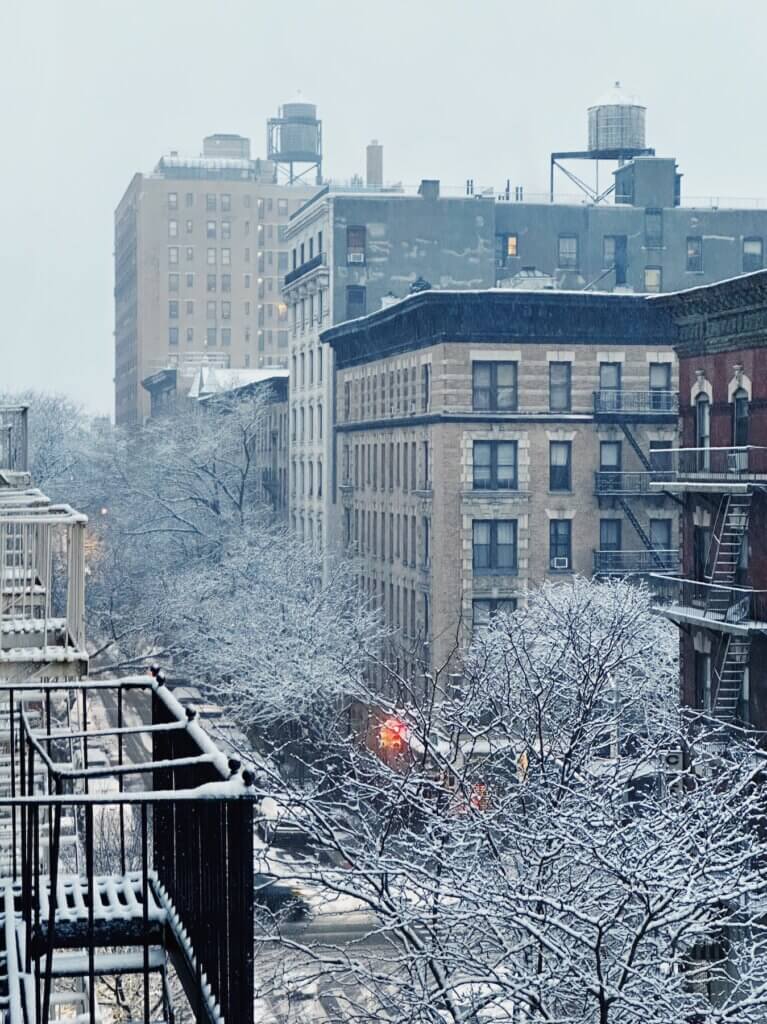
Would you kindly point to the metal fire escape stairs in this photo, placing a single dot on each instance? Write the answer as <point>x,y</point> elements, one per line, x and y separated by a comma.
<point>731,528</point>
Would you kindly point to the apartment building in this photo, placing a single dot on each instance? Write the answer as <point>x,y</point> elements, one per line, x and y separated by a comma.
<point>488,441</point>
<point>719,601</point>
<point>200,253</point>
<point>350,252</point>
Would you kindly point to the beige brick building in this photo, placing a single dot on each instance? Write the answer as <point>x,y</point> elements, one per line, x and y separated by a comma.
<point>199,258</point>
<point>488,441</point>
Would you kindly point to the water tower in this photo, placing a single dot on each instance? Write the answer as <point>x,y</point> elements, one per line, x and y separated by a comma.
<point>294,138</point>
<point>616,133</point>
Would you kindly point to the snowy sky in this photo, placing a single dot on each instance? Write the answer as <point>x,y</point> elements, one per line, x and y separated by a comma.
<point>93,90</point>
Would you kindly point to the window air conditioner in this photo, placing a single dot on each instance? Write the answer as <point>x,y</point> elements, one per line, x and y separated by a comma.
<point>560,563</point>
<point>356,257</point>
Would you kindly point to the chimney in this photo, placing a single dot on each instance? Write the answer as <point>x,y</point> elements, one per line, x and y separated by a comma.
<point>375,164</point>
<point>429,188</point>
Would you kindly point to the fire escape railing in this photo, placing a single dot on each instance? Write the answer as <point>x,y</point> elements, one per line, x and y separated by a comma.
<point>13,438</point>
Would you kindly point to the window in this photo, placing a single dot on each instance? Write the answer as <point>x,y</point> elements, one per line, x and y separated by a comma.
<point>660,534</point>
<point>610,538</point>
<point>211,309</point>
<point>614,256</point>
<point>282,262</point>
<point>495,465</point>
<point>703,428</point>
<point>426,542</point>
<point>483,609</point>
<point>173,254</point>
<point>609,376</point>
<point>559,387</point>
<point>189,254</point>
<point>226,310</point>
<point>173,335</point>
<point>190,335</point>
<point>189,199</point>
<point>425,387</point>
<point>226,230</point>
<point>505,249</point>
<point>653,228</point>
<point>172,282</point>
<point>247,280</point>
<point>567,253</point>
<point>210,336</point>
<point>694,254</point>
<point>211,282</point>
<point>190,307</point>
<point>173,200</point>
<point>190,280</point>
<point>560,544</point>
<point>701,543</point>
<point>226,257</point>
<point>210,229</point>
<point>226,282</point>
<point>226,335</point>
<point>355,244</point>
<point>661,396</point>
<point>660,457</point>
<point>282,312</point>
<point>653,279</point>
<point>560,474</point>
<point>752,254</point>
<point>226,202</point>
<point>355,301</point>
<point>494,545</point>
<point>494,386</point>
<point>282,207</point>
<point>740,419</point>
<point>173,309</point>
<point>210,201</point>
<point>610,459</point>
<point>172,229</point>
<point>189,227</point>
<point>211,257</point>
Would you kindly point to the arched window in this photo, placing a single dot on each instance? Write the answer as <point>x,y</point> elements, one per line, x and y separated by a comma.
<point>703,430</point>
<point>740,418</point>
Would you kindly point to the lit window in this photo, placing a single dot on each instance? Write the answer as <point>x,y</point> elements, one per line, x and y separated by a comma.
<point>653,279</point>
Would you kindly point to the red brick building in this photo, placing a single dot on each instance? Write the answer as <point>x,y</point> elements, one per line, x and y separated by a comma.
<point>720,476</point>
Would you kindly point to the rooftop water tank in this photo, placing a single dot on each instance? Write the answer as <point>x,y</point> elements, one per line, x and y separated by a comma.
<point>299,137</point>
<point>617,122</point>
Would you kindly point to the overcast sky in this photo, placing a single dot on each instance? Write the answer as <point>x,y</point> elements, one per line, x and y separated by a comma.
<point>93,90</point>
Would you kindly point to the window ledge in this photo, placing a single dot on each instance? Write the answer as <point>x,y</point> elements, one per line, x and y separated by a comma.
<point>495,572</point>
<point>496,493</point>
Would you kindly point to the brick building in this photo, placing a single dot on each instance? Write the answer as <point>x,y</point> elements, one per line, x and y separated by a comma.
<point>487,441</point>
<point>720,473</point>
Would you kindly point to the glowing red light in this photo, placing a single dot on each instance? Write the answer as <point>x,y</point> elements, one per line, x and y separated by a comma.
<point>393,734</point>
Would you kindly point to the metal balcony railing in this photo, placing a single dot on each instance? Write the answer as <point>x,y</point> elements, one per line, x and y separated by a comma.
<point>616,482</point>
<point>626,563</point>
<point>710,465</point>
<point>617,402</point>
<point>42,582</point>
<point>709,601</point>
<point>320,260</point>
<point>13,438</point>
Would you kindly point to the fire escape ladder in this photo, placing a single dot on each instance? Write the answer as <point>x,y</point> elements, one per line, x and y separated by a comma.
<point>728,681</point>
<point>730,529</point>
<point>635,445</point>
<point>657,558</point>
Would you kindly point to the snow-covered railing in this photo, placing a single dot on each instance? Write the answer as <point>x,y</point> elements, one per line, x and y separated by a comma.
<point>174,854</point>
<point>42,582</point>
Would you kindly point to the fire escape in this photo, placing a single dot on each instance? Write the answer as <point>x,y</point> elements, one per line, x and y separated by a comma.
<point>627,409</point>
<point>126,836</point>
<point>728,480</point>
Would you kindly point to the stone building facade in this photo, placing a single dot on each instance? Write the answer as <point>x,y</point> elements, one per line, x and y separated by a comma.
<point>486,442</point>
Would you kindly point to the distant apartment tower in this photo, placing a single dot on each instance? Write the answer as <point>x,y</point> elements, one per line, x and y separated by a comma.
<point>487,442</point>
<point>350,252</point>
<point>200,254</point>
